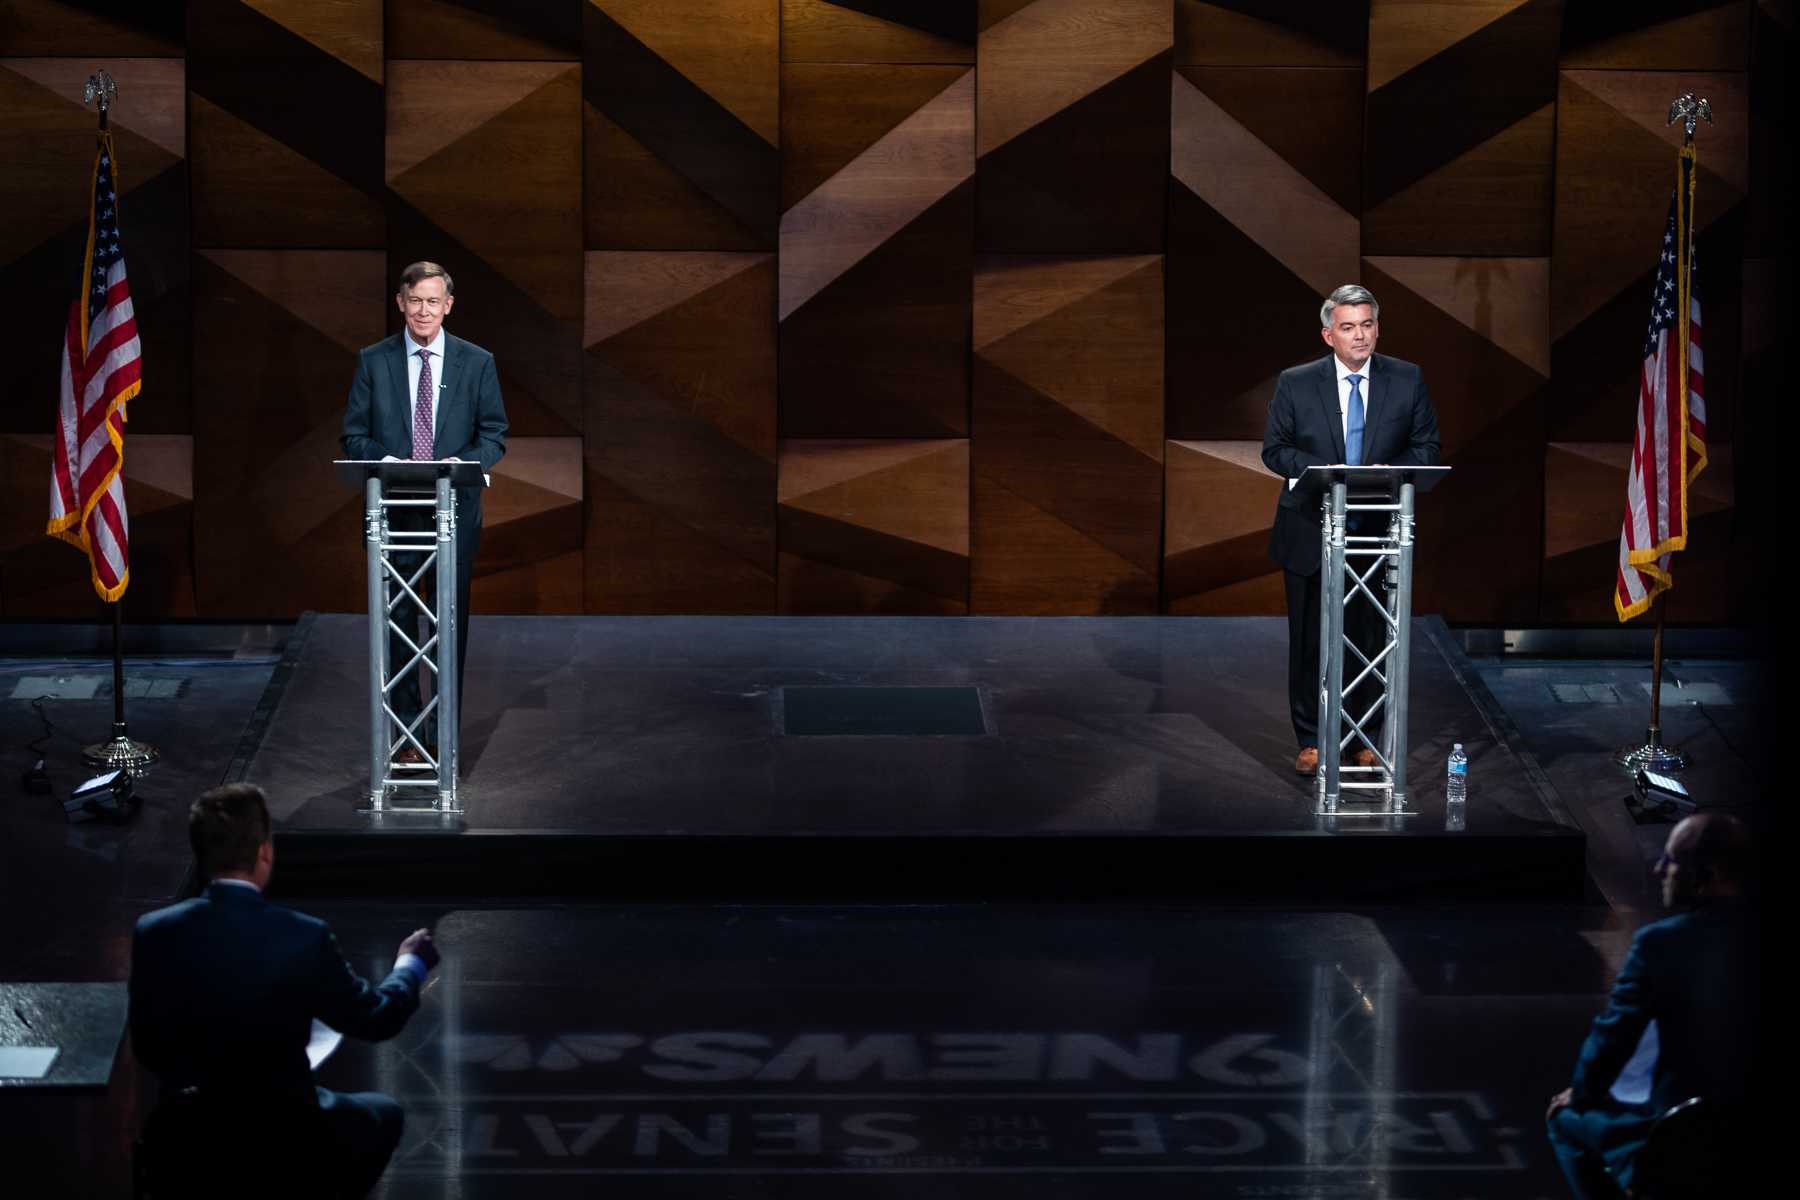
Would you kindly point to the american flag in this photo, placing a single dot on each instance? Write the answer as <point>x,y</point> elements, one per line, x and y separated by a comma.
<point>100,372</point>
<point>1670,451</point>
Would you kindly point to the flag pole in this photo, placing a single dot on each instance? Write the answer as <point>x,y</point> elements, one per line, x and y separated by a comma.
<point>121,753</point>
<point>1652,754</point>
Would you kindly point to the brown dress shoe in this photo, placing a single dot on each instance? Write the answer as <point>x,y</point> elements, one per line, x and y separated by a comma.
<point>1307,761</point>
<point>1364,757</point>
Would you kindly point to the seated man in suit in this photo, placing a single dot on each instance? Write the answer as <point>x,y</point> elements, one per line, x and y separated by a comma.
<point>1694,974</point>
<point>1351,407</point>
<point>424,394</point>
<point>224,989</point>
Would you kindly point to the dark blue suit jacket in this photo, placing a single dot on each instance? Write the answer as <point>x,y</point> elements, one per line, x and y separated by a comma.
<point>1305,429</point>
<point>224,989</point>
<point>471,420</point>
<point>1695,975</point>
<point>1692,974</point>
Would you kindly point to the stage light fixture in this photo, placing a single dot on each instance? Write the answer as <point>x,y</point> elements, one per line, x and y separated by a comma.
<point>107,796</point>
<point>1658,789</point>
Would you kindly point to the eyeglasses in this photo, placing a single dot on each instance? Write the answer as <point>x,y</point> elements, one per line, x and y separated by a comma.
<point>428,303</point>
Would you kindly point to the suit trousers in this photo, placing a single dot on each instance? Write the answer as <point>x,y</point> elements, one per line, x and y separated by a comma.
<point>1584,1139</point>
<point>408,696</point>
<point>1364,625</point>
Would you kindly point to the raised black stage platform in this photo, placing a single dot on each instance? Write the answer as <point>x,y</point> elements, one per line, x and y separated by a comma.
<point>1114,757</point>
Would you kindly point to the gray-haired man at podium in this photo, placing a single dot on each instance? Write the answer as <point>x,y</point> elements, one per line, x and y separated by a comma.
<point>423,394</point>
<point>1352,407</point>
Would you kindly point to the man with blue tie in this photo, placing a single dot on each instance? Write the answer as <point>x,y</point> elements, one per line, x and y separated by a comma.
<point>424,394</point>
<point>224,989</point>
<point>1351,407</point>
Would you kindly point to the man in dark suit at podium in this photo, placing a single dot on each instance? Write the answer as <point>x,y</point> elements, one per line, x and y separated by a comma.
<point>423,394</point>
<point>224,989</point>
<point>1352,407</point>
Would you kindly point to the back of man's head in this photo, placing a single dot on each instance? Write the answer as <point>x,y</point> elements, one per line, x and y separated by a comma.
<point>1719,850</point>
<point>226,826</point>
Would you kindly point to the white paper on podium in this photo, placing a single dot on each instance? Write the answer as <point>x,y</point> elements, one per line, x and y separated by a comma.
<point>324,1042</point>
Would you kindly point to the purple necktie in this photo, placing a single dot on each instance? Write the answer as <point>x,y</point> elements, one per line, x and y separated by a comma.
<point>422,433</point>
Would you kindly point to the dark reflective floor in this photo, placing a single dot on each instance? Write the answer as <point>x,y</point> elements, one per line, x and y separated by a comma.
<point>656,724</point>
<point>983,1052</point>
<point>961,1052</point>
<point>1073,1050</point>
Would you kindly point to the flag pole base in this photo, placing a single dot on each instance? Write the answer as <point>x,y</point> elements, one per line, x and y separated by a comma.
<point>1652,755</point>
<point>121,753</point>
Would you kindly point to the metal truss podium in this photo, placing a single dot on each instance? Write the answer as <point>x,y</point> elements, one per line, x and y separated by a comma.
<point>1378,567</point>
<point>415,485</point>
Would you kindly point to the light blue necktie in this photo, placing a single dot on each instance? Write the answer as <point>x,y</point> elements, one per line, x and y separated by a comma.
<point>1353,430</point>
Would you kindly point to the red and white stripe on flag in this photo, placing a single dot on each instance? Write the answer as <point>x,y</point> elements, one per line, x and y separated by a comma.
<point>1670,449</point>
<point>100,372</point>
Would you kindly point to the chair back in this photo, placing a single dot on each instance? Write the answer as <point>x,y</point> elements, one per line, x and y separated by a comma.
<point>1690,1153</point>
<point>197,1145</point>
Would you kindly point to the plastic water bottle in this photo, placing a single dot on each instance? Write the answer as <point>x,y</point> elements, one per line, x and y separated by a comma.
<point>1456,790</point>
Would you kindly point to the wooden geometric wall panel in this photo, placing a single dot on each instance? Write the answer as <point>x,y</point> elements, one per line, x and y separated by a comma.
<point>874,526</point>
<point>484,176</point>
<point>1271,33</point>
<point>1310,117</point>
<point>1584,485</point>
<point>1615,172</point>
<point>1258,215</point>
<point>877,31</point>
<point>876,250</point>
<point>275,532</point>
<point>531,533</point>
<point>492,29</point>
<point>1221,502</point>
<point>40,106</point>
<point>1068,434</point>
<point>43,578</point>
<point>1762,434</point>
<point>1475,329</point>
<point>1460,127</point>
<point>1504,300</point>
<point>681,454</point>
<point>647,205</point>
<point>285,116</point>
<point>1775,56</point>
<point>682,124</point>
<point>1673,35</point>
<point>1072,125</point>
<point>65,29</point>
<point>43,234</point>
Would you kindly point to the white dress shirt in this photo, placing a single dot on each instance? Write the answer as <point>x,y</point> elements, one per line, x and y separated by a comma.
<point>1343,389</point>
<point>412,376</point>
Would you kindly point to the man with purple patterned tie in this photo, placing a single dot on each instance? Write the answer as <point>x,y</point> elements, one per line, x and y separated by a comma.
<point>423,394</point>
<point>1351,407</point>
